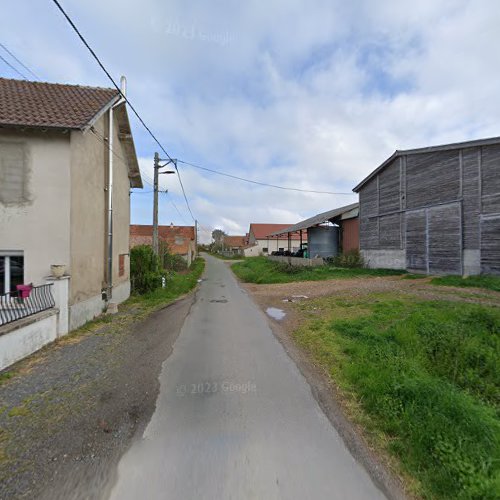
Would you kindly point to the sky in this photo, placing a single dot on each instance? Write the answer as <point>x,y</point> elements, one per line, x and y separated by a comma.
<point>309,94</point>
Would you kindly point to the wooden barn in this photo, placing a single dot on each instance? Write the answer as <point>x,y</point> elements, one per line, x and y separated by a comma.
<point>434,210</point>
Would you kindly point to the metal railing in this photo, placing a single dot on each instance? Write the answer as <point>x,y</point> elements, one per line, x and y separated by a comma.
<point>13,306</point>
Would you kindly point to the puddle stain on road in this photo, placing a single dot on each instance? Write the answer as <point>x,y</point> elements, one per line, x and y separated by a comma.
<point>275,313</point>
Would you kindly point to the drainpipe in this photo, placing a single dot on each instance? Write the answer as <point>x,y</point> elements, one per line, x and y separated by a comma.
<point>109,294</point>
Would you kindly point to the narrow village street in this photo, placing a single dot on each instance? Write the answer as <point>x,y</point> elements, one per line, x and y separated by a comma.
<point>235,418</point>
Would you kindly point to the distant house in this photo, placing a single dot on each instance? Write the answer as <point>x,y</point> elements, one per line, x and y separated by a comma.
<point>67,163</point>
<point>234,244</point>
<point>180,240</point>
<point>261,243</point>
<point>434,210</point>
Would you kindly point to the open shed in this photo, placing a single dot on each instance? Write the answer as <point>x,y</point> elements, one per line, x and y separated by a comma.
<point>328,233</point>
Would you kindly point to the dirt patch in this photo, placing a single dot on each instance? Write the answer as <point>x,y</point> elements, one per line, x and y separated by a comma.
<point>357,287</point>
<point>70,412</point>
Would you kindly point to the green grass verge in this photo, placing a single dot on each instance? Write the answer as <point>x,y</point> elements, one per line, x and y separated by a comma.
<point>488,282</point>
<point>262,270</point>
<point>424,379</point>
<point>177,285</point>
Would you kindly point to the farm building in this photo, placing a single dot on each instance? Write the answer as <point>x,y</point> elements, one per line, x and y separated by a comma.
<point>434,210</point>
<point>328,233</point>
<point>260,241</point>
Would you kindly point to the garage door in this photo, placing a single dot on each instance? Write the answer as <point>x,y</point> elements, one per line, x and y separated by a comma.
<point>434,239</point>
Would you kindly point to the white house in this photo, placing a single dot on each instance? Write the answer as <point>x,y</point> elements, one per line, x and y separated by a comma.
<point>67,163</point>
<point>261,243</point>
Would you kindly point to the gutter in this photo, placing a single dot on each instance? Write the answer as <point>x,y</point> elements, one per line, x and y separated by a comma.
<point>109,188</point>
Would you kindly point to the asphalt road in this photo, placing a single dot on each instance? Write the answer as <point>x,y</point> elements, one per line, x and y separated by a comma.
<point>235,418</point>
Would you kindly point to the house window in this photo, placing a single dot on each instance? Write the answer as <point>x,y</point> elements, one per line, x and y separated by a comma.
<point>13,189</point>
<point>281,249</point>
<point>265,250</point>
<point>121,264</point>
<point>11,271</point>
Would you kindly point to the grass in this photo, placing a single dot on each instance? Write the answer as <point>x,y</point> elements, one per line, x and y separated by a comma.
<point>177,285</point>
<point>423,378</point>
<point>488,282</point>
<point>262,271</point>
<point>4,376</point>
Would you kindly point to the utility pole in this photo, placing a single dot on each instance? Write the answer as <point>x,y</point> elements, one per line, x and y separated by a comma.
<point>157,172</point>
<point>196,238</point>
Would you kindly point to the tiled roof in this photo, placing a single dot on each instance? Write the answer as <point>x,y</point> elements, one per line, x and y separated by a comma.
<point>178,238</point>
<point>235,241</point>
<point>50,105</point>
<point>262,231</point>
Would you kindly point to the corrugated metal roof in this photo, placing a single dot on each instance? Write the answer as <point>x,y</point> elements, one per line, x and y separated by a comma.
<point>318,219</point>
<point>263,231</point>
<point>429,149</point>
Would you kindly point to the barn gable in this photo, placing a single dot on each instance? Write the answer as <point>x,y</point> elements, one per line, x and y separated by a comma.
<point>434,210</point>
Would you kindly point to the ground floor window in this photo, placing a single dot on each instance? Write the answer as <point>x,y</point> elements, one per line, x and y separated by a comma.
<point>11,271</point>
<point>265,250</point>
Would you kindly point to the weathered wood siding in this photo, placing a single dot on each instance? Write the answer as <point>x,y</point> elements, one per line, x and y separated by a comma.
<point>490,245</point>
<point>389,188</point>
<point>444,233</point>
<point>435,205</point>
<point>390,231</point>
<point>490,180</point>
<point>416,240</point>
<point>368,221</point>
<point>470,197</point>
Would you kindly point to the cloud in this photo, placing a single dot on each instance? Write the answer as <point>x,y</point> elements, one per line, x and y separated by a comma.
<point>309,94</point>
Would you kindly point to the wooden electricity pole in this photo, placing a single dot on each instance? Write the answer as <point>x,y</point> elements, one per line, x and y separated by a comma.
<point>157,172</point>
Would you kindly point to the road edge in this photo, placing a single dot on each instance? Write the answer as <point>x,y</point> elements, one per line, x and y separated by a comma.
<point>323,391</point>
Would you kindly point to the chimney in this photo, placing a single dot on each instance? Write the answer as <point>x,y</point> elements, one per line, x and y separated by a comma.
<point>123,85</point>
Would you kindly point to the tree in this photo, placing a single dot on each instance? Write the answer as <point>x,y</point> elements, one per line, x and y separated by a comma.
<point>218,237</point>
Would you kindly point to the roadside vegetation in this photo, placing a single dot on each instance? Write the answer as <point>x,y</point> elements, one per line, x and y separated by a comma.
<point>423,379</point>
<point>488,282</point>
<point>176,285</point>
<point>261,270</point>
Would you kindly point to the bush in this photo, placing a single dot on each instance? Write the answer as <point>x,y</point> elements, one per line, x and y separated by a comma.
<point>145,270</point>
<point>174,262</point>
<point>350,259</point>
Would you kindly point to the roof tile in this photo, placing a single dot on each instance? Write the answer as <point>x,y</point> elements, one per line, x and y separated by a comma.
<point>50,105</point>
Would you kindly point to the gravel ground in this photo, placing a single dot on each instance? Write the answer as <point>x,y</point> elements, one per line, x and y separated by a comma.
<point>70,411</point>
<point>356,287</point>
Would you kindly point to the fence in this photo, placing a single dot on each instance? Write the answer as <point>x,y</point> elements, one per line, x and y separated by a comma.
<point>14,306</point>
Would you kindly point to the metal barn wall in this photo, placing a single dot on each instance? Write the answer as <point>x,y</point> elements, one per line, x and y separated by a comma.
<point>439,212</point>
<point>350,234</point>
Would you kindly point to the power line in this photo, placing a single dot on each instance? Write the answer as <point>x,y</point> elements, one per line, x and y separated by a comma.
<point>94,55</point>
<point>104,141</point>
<point>259,183</point>
<point>20,62</point>
<point>12,67</point>
<point>176,209</point>
<point>183,191</point>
